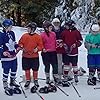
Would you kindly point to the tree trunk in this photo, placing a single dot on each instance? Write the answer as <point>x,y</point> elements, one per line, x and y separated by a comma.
<point>18,13</point>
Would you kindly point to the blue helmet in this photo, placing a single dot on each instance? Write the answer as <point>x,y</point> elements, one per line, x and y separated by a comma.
<point>7,22</point>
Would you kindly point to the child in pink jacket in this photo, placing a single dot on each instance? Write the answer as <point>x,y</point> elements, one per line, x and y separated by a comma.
<point>49,54</point>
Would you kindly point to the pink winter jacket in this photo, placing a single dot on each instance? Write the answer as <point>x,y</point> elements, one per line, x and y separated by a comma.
<point>49,42</point>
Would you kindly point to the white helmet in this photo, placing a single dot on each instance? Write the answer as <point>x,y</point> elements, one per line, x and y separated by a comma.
<point>95,27</point>
<point>55,20</point>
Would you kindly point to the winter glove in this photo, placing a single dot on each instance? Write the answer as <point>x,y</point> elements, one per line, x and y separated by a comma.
<point>18,49</point>
<point>59,43</point>
<point>98,45</point>
<point>73,46</point>
<point>66,48</point>
<point>89,45</point>
<point>35,50</point>
<point>44,50</point>
<point>93,46</point>
<point>7,54</point>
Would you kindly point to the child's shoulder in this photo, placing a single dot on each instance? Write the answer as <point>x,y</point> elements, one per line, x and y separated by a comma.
<point>89,34</point>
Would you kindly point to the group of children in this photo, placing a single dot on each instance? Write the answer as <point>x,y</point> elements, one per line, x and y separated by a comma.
<point>59,49</point>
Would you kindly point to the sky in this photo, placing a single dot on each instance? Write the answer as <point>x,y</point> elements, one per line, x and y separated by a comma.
<point>86,92</point>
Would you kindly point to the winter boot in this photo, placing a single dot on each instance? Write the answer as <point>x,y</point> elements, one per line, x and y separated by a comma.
<point>34,89</point>
<point>52,88</point>
<point>44,90</point>
<point>8,91</point>
<point>27,84</point>
<point>13,83</point>
<point>65,83</point>
<point>36,83</point>
<point>5,84</point>
<point>16,90</point>
<point>91,81</point>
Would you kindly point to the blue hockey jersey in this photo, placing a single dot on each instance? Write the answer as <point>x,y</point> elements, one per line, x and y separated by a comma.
<point>7,43</point>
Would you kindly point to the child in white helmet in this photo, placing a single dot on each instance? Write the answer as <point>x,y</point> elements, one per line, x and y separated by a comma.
<point>92,44</point>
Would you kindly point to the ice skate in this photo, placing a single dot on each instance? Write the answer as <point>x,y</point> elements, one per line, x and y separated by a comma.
<point>8,91</point>
<point>13,83</point>
<point>34,89</point>
<point>36,83</point>
<point>27,84</point>
<point>91,81</point>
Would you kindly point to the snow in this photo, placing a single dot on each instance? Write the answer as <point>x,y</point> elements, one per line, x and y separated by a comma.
<point>81,15</point>
<point>86,92</point>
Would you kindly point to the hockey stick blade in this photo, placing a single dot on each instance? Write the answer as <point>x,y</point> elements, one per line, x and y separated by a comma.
<point>61,90</point>
<point>39,95</point>
<point>75,89</point>
<point>22,90</point>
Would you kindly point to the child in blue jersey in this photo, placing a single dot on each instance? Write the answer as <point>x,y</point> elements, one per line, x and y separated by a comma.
<point>92,44</point>
<point>8,51</point>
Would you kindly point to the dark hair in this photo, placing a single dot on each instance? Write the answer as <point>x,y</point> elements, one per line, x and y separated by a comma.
<point>46,25</point>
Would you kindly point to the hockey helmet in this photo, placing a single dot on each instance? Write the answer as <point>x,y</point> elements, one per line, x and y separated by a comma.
<point>7,22</point>
<point>95,27</point>
<point>55,20</point>
<point>32,25</point>
<point>70,23</point>
<point>46,24</point>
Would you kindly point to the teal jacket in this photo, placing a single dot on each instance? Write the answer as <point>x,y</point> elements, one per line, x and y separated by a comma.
<point>91,40</point>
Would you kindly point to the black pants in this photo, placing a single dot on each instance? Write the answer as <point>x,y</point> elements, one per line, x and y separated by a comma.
<point>30,63</point>
<point>70,59</point>
<point>50,58</point>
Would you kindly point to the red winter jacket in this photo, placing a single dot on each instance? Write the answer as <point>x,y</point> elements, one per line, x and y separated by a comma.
<point>70,37</point>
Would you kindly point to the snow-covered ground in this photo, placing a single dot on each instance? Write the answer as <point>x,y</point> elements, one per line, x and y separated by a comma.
<point>86,92</point>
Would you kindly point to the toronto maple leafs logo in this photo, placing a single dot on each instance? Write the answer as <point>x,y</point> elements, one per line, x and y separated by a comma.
<point>11,45</point>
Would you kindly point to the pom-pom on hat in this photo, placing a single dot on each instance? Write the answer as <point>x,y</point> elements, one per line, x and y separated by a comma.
<point>95,27</point>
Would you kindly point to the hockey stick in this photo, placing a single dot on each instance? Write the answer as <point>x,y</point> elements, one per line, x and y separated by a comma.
<point>97,88</point>
<point>41,79</point>
<point>39,95</point>
<point>75,89</point>
<point>38,78</point>
<point>22,90</point>
<point>61,90</point>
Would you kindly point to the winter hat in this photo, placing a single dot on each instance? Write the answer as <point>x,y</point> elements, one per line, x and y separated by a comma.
<point>55,20</point>
<point>46,24</point>
<point>95,27</point>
